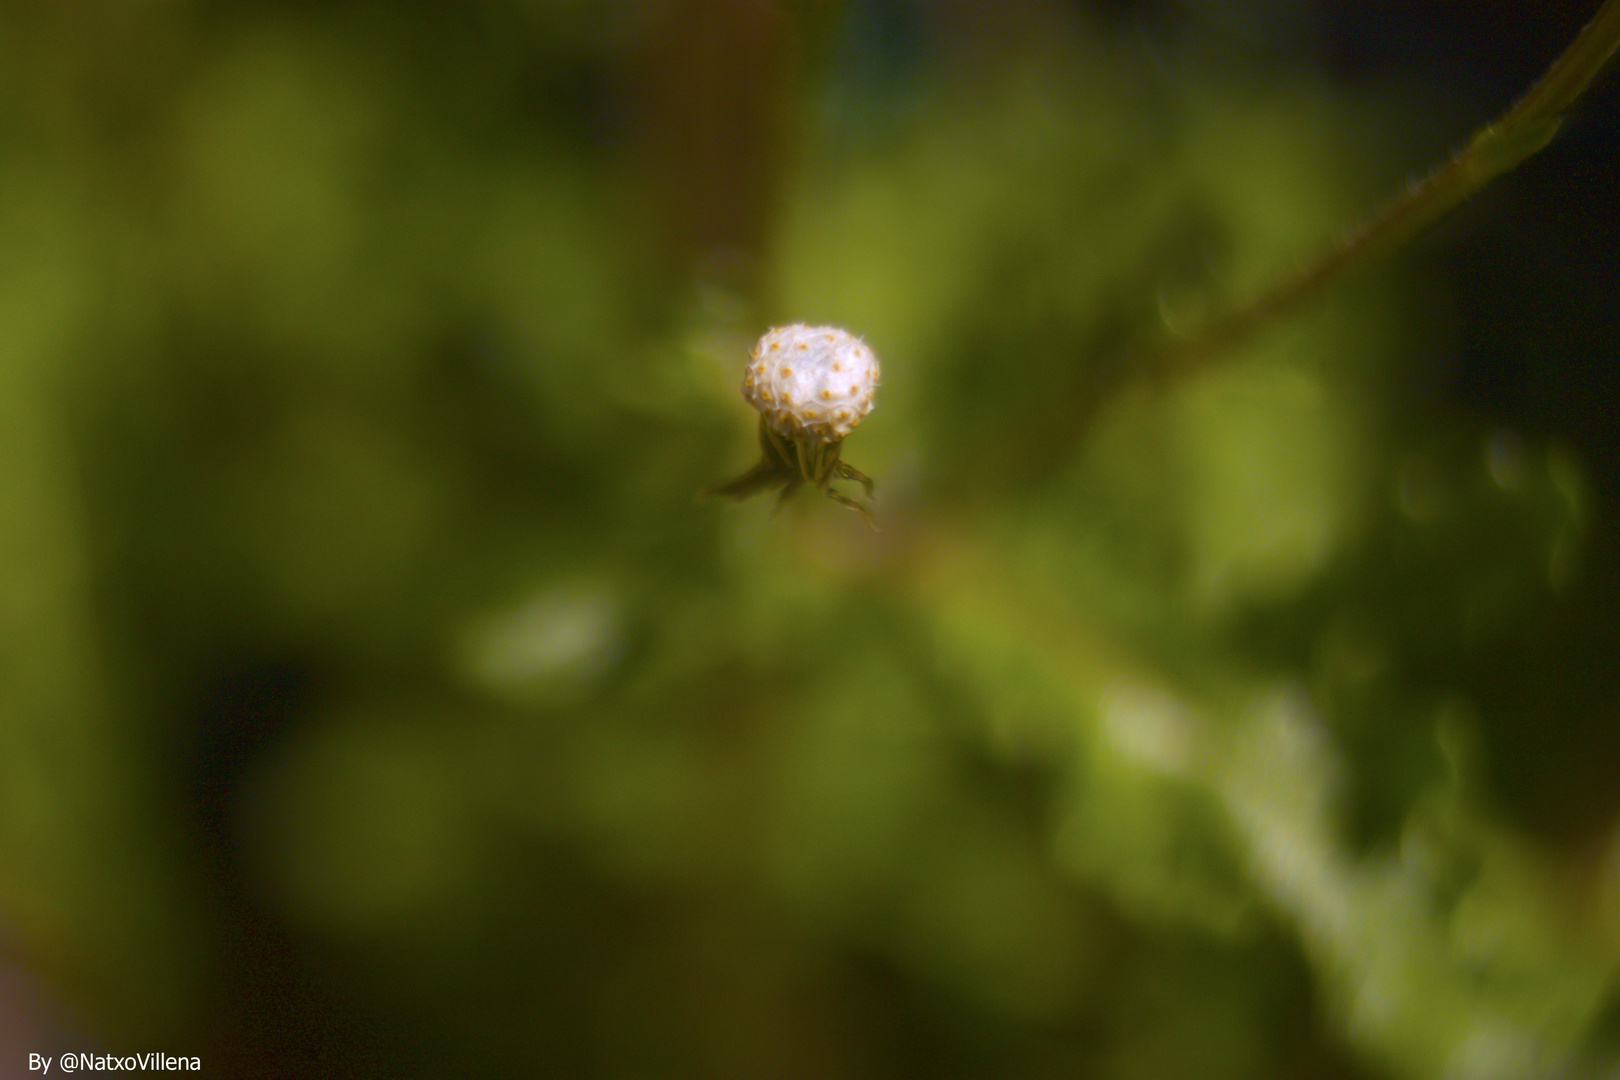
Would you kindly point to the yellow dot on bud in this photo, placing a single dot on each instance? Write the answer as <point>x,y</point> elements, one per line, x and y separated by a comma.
<point>826,395</point>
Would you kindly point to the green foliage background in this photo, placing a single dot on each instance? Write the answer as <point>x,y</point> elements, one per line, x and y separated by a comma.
<point>377,700</point>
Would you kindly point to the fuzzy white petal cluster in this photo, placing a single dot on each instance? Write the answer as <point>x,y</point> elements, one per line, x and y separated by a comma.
<point>811,381</point>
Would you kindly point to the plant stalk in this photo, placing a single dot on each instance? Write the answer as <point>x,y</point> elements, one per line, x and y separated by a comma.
<point>1495,149</point>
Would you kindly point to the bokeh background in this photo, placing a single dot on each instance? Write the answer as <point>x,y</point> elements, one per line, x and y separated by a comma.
<point>377,699</point>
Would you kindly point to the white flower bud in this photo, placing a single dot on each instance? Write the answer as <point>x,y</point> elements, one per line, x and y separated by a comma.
<point>811,382</point>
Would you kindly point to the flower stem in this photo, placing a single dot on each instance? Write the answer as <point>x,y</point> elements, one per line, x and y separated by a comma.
<point>1495,149</point>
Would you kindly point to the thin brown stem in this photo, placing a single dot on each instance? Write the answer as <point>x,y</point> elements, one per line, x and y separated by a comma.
<point>1495,149</point>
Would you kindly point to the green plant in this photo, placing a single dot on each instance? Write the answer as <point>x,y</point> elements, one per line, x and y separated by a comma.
<point>1498,148</point>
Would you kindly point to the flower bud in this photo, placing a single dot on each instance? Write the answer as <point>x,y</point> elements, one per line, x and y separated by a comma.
<point>811,382</point>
